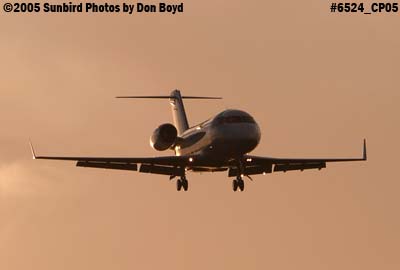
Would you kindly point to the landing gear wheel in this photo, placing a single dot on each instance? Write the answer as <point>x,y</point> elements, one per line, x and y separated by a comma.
<point>185,184</point>
<point>234,184</point>
<point>241,184</point>
<point>178,184</point>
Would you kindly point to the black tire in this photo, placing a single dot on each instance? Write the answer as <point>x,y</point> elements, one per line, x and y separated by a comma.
<point>178,184</point>
<point>185,184</point>
<point>241,184</point>
<point>234,184</point>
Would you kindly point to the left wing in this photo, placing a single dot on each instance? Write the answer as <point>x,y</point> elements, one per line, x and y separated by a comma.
<point>167,165</point>
<point>263,165</point>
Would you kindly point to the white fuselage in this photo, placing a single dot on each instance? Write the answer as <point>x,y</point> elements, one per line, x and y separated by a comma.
<point>230,134</point>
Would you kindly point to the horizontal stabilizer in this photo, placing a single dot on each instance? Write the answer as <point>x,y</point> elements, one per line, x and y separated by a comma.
<point>170,97</point>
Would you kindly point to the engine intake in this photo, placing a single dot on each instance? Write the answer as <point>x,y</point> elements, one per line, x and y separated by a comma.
<point>164,137</point>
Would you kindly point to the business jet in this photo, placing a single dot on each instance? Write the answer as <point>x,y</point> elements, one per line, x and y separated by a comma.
<point>222,143</point>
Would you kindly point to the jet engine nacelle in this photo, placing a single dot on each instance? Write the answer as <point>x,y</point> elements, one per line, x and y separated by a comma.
<point>164,137</point>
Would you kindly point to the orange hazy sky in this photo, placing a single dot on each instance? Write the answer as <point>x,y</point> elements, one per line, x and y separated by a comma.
<point>316,82</point>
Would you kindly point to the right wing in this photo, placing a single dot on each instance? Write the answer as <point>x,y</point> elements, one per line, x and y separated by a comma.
<point>167,165</point>
<point>263,165</point>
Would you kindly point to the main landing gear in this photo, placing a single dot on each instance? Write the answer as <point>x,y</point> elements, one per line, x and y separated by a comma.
<point>182,183</point>
<point>238,183</point>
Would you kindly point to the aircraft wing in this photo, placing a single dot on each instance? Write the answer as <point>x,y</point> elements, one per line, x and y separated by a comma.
<point>167,165</point>
<point>262,165</point>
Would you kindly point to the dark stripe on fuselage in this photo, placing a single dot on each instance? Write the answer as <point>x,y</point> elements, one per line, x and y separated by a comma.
<point>192,139</point>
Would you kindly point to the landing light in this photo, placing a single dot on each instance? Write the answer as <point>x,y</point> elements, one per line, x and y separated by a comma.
<point>264,173</point>
<point>198,128</point>
<point>249,160</point>
<point>190,159</point>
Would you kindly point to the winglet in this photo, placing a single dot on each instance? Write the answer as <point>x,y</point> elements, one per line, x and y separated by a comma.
<point>32,150</point>
<point>365,150</point>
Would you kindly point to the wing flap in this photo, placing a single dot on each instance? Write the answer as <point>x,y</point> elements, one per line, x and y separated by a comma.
<point>251,170</point>
<point>300,166</point>
<point>107,165</point>
<point>156,169</point>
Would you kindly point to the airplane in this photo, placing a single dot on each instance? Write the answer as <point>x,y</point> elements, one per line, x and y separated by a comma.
<point>221,143</point>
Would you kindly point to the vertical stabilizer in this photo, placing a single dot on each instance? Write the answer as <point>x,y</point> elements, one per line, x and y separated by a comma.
<point>178,112</point>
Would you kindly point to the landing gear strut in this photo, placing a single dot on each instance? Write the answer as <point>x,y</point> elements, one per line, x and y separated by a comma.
<point>238,183</point>
<point>182,183</point>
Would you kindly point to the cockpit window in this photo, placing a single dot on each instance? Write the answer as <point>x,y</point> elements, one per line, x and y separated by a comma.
<point>235,119</point>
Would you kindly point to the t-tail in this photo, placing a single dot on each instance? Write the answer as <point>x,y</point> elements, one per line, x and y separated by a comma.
<point>178,109</point>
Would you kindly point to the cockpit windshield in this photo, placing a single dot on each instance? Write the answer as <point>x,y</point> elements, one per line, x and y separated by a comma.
<point>235,119</point>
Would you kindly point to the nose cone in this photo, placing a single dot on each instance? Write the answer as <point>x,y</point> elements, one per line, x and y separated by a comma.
<point>241,138</point>
<point>236,134</point>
